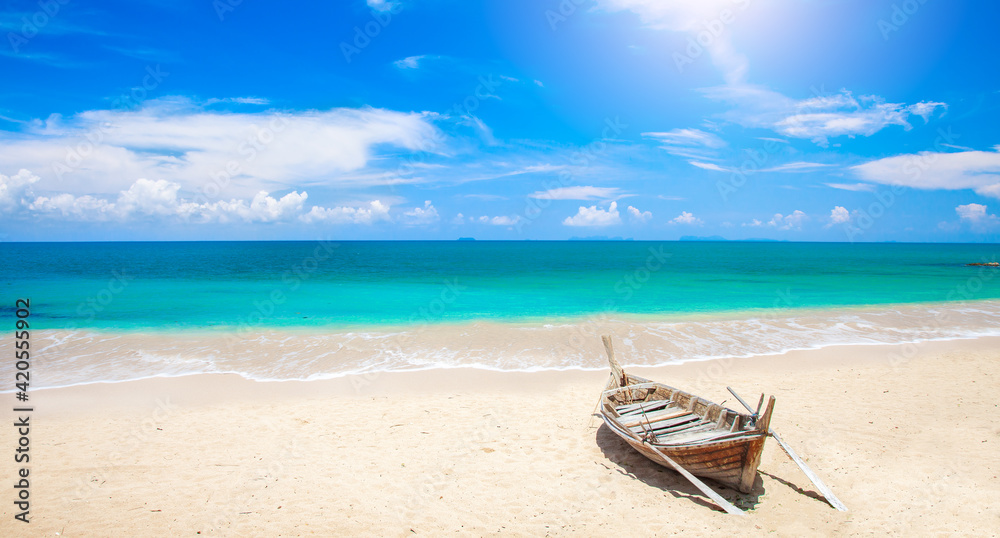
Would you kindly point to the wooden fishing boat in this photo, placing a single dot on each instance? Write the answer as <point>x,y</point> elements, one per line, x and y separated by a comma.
<point>692,435</point>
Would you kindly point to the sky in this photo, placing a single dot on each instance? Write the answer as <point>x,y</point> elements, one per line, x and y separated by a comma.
<point>800,120</point>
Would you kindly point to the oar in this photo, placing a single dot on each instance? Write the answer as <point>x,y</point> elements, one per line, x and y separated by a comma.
<point>724,504</point>
<point>597,408</point>
<point>830,497</point>
<point>822,487</point>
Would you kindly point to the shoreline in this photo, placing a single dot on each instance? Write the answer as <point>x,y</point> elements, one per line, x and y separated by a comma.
<point>462,371</point>
<point>436,380</point>
<point>87,357</point>
<point>491,452</point>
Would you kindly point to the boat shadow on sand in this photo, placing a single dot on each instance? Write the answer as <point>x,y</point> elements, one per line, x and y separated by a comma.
<point>631,463</point>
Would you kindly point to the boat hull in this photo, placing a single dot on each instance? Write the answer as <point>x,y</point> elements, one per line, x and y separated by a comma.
<point>727,448</point>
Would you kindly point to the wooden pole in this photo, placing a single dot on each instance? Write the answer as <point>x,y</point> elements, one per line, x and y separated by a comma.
<point>733,392</point>
<point>823,489</point>
<point>597,409</point>
<point>724,504</point>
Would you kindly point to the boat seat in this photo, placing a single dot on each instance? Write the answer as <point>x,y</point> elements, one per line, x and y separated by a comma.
<point>636,408</point>
<point>686,420</point>
<point>653,418</point>
<point>696,435</point>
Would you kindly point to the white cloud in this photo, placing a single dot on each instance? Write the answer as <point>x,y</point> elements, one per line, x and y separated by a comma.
<point>233,154</point>
<point>976,216</point>
<point>578,193</point>
<point>753,224</point>
<point>375,211</point>
<point>16,189</point>
<point>263,208</point>
<point>788,222</point>
<point>594,216</point>
<point>458,219</point>
<point>817,118</point>
<point>80,208</point>
<point>688,143</point>
<point>839,215</point>
<point>150,198</point>
<point>420,216</point>
<point>925,109</point>
<point>639,216</point>
<point>686,218</point>
<point>972,212</point>
<point>977,170</point>
<point>501,220</point>
<point>857,187</point>
<point>158,199</point>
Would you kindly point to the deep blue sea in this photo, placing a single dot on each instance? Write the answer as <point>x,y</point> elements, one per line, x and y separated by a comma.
<point>204,285</point>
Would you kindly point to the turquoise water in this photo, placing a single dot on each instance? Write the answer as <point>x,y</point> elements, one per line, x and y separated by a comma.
<point>164,286</point>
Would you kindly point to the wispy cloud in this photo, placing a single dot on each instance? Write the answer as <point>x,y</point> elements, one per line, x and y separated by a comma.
<point>796,167</point>
<point>414,62</point>
<point>856,187</point>
<point>238,100</point>
<point>709,166</point>
<point>977,170</point>
<point>817,118</point>
<point>579,193</point>
<point>688,143</point>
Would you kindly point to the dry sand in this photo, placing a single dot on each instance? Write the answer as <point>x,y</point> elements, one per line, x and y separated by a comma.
<point>905,435</point>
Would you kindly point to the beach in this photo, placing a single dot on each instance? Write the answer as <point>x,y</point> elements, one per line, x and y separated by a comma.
<point>904,435</point>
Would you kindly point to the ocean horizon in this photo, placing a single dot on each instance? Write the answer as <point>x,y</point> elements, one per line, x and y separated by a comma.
<point>341,284</point>
<point>279,311</point>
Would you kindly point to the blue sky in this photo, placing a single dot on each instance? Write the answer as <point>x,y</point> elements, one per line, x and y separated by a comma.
<point>825,120</point>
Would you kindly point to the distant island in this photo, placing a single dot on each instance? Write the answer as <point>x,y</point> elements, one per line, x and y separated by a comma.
<point>601,238</point>
<point>720,238</point>
<point>466,238</point>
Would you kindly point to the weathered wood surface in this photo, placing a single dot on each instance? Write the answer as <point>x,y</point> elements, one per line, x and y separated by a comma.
<point>716,498</point>
<point>692,435</point>
<point>705,438</point>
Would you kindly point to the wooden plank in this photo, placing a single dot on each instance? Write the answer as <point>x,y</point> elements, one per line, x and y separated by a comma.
<point>685,420</point>
<point>688,435</point>
<point>723,415</point>
<point>648,385</point>
<point>643,407</point>
<point>822,487</point>
<point>653,418</point>
<point>753,456</point>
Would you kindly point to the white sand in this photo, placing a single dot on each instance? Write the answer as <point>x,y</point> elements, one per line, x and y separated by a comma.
<point>911,446</point>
